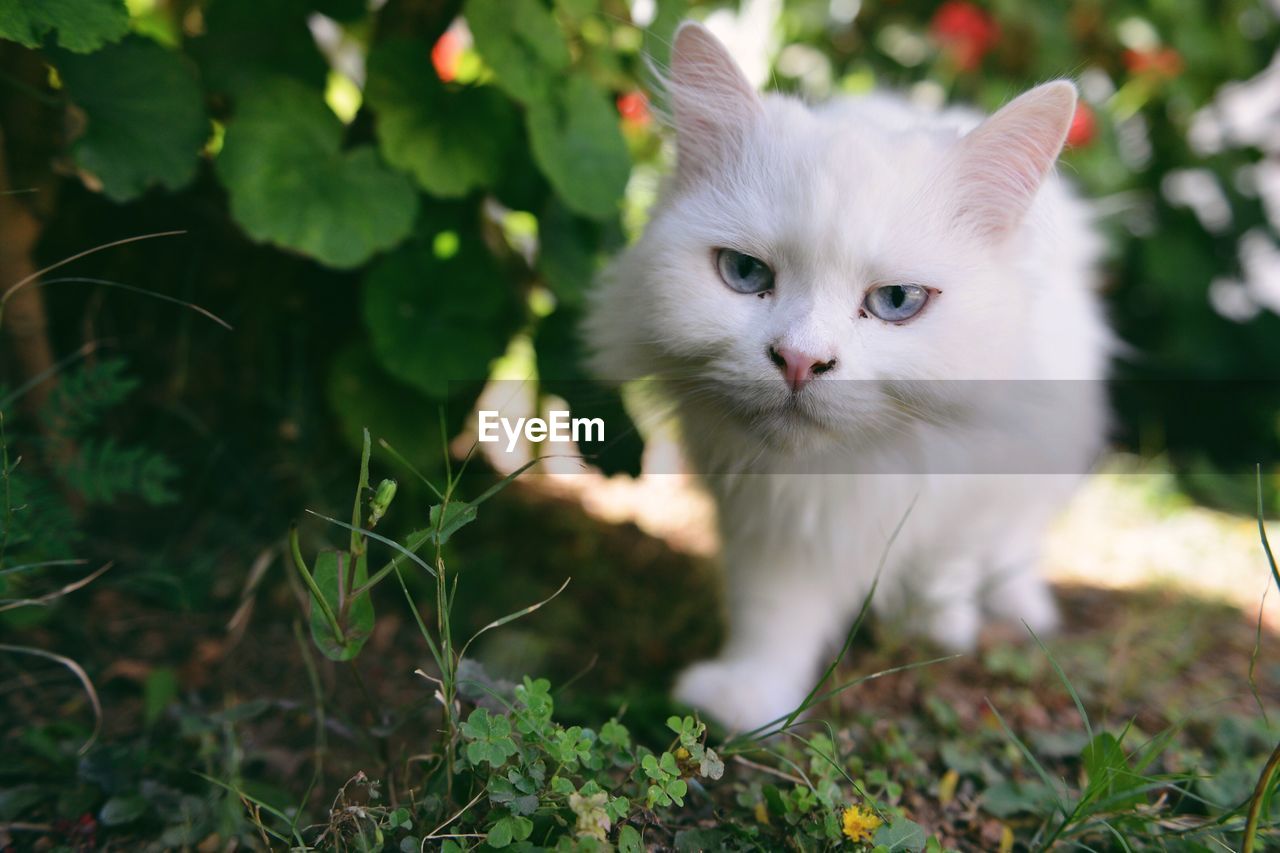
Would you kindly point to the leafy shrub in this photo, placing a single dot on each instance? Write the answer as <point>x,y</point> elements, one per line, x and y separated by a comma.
<point>472,173</point>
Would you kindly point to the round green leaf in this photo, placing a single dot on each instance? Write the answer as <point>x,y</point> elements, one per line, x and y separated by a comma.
<point>439,318</point>
<point>247,41</point>
<point>82,26</point>
<point>521,42</point>
<point>362,395</point>
<point>146,120</point>
<point>291,183</point>
<point>578,146</point>
<point>451,140</point>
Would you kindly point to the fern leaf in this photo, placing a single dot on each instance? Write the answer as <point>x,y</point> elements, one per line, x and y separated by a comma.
<point>103,471</point>
<point>85,393</point>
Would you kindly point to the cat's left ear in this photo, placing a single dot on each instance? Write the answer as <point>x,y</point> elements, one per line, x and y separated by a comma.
<point>1000,165</point>
<point>712,103</point>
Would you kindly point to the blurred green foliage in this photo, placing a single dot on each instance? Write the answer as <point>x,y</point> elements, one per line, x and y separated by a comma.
<point>429,179</point>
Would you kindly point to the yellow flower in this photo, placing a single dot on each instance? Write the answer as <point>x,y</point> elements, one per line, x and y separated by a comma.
<point>860,823</point>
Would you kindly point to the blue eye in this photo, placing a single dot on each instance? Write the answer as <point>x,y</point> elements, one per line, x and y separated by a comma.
<point>894,303</point>
<point>743,273</point>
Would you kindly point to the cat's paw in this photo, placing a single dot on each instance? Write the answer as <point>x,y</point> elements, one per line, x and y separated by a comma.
<point>741,695</point>
<point>955,626</point>
<point>1026,599</point>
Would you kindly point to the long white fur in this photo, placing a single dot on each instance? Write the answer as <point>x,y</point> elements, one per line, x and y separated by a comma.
<point>838,198</point>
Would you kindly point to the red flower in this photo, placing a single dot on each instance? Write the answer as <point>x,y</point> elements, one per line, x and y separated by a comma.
<point>1163,62</point>
<point>965,32</point>
<point>1084,126</point>
<point>634,108</point>
<point>445,54</point>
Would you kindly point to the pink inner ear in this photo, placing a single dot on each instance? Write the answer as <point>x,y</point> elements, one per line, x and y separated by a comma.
<point>712,102</point>
<point>999,166</point>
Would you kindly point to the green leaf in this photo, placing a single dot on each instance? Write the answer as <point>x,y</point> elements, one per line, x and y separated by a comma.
<point>521,42</point>
<point>457,514</point>
<point>1101,758</point>
<point>291,184</point>
<point>451,140</point>
<point>578,8</point>
<point>361,393</point>
<point>509,828</point>
<point>123,809</point>
<point>103,471</point>
<point>615,734</point>
<point>1107,768</point>
<point>437,322</point>
<point>145,116</point>
<point>248,41</point>
<point>500,833</point>
<point>535,695</point>
<point>902,834</point>
<point>578,146</point>
<point>1010,797</point>
<point>85,393</point>
<point>571,250</point>
<point>356,621</point>
<point>82,26</point>
<point>489,739</point>
<point>629,840</point>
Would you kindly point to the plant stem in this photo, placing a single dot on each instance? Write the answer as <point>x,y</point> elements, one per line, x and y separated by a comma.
<point>1259,794</point>
<point>316,595</point>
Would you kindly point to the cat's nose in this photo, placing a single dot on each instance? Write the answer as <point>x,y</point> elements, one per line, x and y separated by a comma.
<point>797,367</point>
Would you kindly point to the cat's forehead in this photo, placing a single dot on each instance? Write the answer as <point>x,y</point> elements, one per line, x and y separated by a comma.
<point>840,155</point>
<point>827,183</point>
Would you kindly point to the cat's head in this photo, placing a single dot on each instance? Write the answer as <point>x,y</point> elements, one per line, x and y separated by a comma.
<point>796,249</point>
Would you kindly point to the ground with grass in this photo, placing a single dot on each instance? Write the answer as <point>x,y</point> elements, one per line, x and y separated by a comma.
<point>219,724</point>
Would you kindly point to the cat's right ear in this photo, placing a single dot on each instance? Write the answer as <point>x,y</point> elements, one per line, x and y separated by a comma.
<point>712,103</point>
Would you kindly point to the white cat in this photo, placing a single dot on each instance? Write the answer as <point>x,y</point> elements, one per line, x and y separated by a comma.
<point>810,292</point>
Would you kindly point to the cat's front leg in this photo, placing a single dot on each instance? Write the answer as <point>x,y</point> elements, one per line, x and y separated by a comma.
<point>1020,595</point>
<point>782,619</point>
<point>943,605</point>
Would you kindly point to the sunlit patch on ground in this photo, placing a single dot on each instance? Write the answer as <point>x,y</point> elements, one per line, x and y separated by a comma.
<point>1128,527</point>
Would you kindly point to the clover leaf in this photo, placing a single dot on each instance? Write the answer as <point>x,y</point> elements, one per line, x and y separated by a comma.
<point>488,739</point>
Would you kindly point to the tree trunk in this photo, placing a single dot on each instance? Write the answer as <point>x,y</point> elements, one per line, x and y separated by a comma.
<point>30,137</point>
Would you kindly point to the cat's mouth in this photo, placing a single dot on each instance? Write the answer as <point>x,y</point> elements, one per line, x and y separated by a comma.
<point>788,418</point>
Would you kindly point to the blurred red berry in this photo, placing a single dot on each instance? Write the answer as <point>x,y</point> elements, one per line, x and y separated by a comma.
<point>445,54</point>
<point>634,108</point>
<point>1084,126</point>
<point>966,32</point>
<point>1163,62</point>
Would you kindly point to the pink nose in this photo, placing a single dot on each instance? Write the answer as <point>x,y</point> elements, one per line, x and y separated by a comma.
<point>799,368</point>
